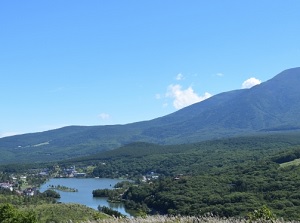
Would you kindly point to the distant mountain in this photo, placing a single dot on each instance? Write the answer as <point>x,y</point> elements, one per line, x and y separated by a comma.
<point>271,106</point>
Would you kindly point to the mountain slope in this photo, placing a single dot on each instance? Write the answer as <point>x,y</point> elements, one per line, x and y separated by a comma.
<point>272,105</point>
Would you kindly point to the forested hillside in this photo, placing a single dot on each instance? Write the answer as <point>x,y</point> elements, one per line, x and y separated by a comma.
<point>271,106</point>
<point>229,177</point>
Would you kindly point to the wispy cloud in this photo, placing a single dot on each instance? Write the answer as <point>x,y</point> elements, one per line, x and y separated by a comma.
<point>50,127</point>
<point>6,134</point>
<point>249,83</point>
<point>104,116</point>
<point>158,96</point>
<point>184,97</point>
<point>220,74</point>
<point>179,77</point>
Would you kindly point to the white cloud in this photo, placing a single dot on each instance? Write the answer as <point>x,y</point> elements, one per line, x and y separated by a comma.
<point>220,74</point>
<point>50,127</point>
<point>104,116</point>
<point>158,96</point>
<point>183,98</point>
<point>179,77</point>
<point>5,134</point>
<point>250,82</point>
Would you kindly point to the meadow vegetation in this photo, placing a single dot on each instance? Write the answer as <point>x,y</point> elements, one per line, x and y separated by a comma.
<point>186,219</point>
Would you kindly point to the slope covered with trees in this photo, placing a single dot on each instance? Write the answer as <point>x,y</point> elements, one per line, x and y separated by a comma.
<point>229,177</point>
<point>271,106</point>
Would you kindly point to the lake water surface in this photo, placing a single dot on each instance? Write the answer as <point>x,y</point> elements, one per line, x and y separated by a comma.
<point>85,187</point>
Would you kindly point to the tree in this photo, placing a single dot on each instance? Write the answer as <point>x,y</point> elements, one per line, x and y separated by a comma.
<point>110,211</point>
<point>9,214</point>
<point>51,193</point>
<point>262,214</point>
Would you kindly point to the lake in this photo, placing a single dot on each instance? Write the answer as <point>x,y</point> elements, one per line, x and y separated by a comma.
<point>85,188</point>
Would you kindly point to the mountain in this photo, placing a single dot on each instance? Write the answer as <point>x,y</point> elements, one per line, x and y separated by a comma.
<point>271,106</point>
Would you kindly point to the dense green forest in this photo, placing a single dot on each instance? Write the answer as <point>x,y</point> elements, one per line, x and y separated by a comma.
<point>136,159</point>
<point>229,177</point>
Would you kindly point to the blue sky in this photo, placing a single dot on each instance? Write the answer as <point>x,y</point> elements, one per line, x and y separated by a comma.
<point>71,62</point>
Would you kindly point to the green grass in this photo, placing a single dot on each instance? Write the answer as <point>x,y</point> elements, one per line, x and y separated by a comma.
<point>65,213</point>
<point>295,162</point>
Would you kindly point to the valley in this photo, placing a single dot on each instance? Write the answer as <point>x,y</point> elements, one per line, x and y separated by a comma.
<point>229,177</point>
<point>230,155</point>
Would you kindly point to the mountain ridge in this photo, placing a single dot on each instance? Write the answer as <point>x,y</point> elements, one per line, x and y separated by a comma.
<point>273,105</point>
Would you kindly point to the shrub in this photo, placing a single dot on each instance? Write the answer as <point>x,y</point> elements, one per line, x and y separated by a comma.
<point>262,214</point>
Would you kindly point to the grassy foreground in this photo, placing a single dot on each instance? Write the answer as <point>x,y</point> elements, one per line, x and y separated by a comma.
<point>64,213</point>
<point>164,219</point>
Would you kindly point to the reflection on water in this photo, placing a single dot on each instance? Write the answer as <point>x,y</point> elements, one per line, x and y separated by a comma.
<point>85,188</point>
<point>118,207</point>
